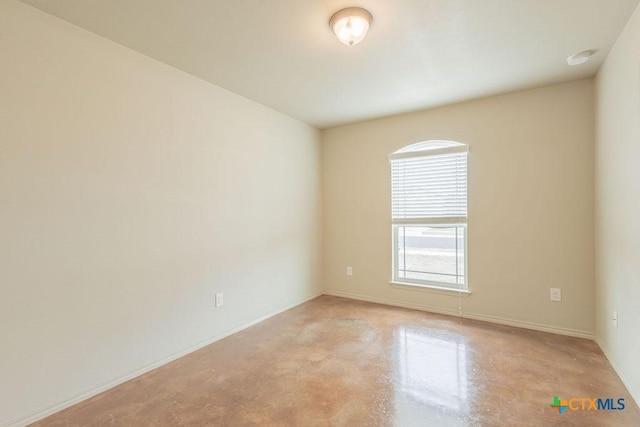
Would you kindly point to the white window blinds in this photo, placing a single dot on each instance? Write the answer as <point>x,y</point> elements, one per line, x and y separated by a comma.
<point>429,185</point>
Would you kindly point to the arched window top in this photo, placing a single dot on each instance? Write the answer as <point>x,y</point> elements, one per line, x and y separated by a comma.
<point>429,148</point>
<point>429,145</point>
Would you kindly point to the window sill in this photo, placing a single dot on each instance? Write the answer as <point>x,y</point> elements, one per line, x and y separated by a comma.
<point>431,288</point>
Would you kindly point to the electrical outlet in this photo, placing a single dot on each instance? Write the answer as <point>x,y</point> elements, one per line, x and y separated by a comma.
<point>615,319</point>
<point>349,271</point>
<point>219,300</point>
<point>555,294</point>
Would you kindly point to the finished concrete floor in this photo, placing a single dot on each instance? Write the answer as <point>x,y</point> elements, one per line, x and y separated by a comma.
<point>335,361</point>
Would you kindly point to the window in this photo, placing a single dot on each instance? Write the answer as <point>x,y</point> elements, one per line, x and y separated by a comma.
<point>429,214</point>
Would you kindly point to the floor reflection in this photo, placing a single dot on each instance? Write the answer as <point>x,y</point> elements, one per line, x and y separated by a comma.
<point>432,384</point>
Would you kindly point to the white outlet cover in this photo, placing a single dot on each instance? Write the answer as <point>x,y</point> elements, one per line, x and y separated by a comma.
<point>555,294</point>
<point>349,271</point>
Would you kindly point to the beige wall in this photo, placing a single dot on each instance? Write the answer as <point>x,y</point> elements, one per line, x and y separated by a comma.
<point>130,194</point>
<point>618,205</point>
<point>530,224</point>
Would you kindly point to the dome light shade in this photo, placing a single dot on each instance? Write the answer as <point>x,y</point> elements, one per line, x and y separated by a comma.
<point>351,24</point>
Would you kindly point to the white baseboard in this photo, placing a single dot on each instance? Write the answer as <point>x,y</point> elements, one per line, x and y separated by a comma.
<point>45,412</point>
<point>466,315</point>
<point>421,307</point>
<point>532,325</point>
<point>633,388</point>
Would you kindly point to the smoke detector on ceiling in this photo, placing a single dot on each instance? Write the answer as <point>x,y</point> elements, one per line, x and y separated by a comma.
<point>580,57</point>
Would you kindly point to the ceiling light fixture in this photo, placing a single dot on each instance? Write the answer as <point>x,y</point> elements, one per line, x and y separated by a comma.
<point>351,24</point>
<point>580,57</point>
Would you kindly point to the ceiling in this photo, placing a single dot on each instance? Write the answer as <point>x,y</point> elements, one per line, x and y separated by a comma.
<point>418,53</point>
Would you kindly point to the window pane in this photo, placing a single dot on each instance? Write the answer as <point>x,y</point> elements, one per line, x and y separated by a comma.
<point>431,253</point>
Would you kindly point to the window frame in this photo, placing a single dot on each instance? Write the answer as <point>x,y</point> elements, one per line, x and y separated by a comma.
<point>423,149</point>
<point>396,279</point>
